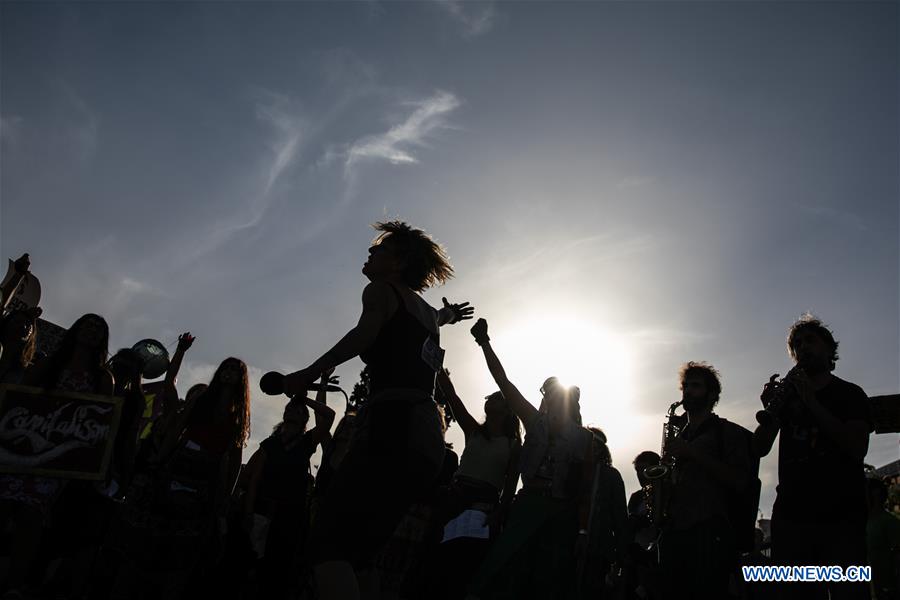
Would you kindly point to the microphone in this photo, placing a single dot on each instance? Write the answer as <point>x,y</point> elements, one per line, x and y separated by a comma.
<point>272,384</point>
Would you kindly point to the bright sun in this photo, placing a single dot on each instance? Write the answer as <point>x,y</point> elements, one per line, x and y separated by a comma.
<point>578,352</point>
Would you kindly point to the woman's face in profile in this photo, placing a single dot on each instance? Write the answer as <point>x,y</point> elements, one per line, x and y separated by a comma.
<point>382,261</point>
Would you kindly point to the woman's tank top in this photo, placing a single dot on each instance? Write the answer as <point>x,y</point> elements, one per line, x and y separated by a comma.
<point>486,459</point>
<point>395,359</point>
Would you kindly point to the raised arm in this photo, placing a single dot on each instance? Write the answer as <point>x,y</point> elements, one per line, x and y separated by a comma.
<point>168,392</point>
<point>185,340</point>
<point>517,402</point>
<point>765,434</point>
<point>376,311</point>
<point>462,416</point>
<point>324,415</point>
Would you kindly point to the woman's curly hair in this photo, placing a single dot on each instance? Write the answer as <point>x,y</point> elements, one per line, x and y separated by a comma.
<point>427,263</point>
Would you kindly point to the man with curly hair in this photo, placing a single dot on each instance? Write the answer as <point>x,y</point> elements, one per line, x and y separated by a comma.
<point>819,517</point>
<point>698,545</point>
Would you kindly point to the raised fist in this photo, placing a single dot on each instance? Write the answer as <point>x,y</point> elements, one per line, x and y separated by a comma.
<point>480,331</point>
<point>185,340</point>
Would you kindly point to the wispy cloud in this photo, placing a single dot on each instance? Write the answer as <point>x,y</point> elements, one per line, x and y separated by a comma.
<point>288,126</point>
<point>475,18</point>
<point>395,145</point>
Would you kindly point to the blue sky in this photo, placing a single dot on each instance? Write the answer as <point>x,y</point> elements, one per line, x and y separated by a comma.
<point>621,186</point>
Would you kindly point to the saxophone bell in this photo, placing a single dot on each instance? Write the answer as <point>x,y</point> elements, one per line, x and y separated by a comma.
<point>656,471</point>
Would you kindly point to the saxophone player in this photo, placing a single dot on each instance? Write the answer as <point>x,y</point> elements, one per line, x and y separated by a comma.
<point>819,517</point>
<point>713,464</point>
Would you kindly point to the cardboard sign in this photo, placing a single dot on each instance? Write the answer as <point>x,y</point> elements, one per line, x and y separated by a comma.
<point>57,434</point>
<point>27,294</point>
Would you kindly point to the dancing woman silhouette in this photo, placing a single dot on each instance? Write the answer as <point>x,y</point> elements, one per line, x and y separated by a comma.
<point>398,448</point>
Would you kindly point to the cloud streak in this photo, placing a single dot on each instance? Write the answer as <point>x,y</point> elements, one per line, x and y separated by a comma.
<point>475,18</point>
<point>396,144</point>
<point>288,128</point>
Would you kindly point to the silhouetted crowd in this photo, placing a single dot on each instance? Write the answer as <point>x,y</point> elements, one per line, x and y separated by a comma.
<point>532,508</point>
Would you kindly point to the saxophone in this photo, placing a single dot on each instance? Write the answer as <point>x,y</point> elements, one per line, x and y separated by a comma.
<point>661,477</point>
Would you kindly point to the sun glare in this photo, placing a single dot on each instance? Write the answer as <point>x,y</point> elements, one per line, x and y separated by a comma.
<point>578,352</point>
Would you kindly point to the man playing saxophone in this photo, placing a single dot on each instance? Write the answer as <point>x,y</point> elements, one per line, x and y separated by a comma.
<point>819,517</point>
<point>713,464</point>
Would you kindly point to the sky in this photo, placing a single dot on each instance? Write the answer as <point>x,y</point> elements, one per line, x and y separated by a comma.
<point>621,186</point>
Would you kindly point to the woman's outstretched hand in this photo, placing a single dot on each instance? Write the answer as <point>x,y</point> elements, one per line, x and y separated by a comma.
<point>458,312</point>
<point>480,332</point>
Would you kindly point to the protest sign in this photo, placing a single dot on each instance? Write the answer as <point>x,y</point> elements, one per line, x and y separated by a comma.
<point>58,434</point>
